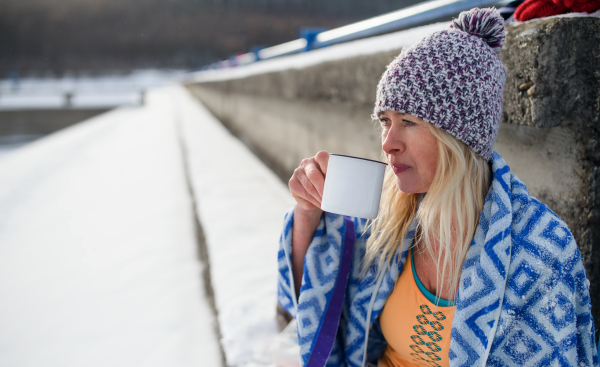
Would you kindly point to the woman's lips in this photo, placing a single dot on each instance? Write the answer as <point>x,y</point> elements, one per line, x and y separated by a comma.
<point>399,168</point>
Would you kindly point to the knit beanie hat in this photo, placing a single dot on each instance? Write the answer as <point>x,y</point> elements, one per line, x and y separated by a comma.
<point>452,79</point>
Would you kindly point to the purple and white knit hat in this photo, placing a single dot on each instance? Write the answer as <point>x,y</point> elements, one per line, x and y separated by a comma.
<point>452,79</point>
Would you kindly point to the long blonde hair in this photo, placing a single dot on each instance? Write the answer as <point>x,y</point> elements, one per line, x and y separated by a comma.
<point>447,215</point>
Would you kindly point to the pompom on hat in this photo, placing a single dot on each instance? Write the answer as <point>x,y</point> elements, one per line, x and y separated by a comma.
<point>453,79</point>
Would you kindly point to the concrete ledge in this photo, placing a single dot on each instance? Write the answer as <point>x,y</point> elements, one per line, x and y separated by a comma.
<point>348,81</point>
<point>289,115</point>
<point>283,131</point>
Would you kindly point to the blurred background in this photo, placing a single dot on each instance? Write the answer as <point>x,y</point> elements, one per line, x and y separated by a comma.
<point>82,37</point>
<point>64,61</point>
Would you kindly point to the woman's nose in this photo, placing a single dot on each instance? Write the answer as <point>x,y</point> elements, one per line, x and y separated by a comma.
<point>392,141</point>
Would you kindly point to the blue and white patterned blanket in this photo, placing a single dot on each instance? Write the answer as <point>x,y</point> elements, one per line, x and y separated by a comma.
<point>523,297</point>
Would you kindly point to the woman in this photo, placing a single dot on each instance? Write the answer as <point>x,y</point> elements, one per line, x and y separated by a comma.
<point>462,266</point>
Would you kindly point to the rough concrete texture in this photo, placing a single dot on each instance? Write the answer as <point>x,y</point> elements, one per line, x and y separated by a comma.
<point>553,83</point>
<point>352,81</point>
<point>552,71</point>
<point>548,136</point>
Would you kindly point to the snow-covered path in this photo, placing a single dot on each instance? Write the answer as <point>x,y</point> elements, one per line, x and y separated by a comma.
<point>98,257</point>
<point>98,249</point>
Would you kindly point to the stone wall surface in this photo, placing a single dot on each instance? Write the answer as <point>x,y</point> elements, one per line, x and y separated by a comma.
<point>549,133</point>
<point>552,71</point>
<point>553,85</point>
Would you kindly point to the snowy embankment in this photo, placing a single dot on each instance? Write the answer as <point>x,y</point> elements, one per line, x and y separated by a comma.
<point>241,204</point>
<point>98,257</point>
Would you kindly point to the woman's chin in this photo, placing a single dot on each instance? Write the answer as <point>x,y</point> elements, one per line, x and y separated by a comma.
<point>408,187</point>
<point>404,188</point>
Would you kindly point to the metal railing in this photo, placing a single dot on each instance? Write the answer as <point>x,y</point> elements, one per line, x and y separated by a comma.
<point>411,16</point>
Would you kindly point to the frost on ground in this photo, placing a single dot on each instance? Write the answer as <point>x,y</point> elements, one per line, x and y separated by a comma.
<point>98,260</point>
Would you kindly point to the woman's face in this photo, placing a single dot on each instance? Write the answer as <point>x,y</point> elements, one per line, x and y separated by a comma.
<point>411,150</point>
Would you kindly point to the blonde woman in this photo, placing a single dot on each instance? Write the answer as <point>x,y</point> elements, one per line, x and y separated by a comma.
<point>462,267</point>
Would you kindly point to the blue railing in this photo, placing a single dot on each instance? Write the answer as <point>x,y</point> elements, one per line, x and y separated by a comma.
<point>423,13</point>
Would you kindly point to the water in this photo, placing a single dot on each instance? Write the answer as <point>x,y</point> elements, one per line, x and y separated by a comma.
<point>10,143</point>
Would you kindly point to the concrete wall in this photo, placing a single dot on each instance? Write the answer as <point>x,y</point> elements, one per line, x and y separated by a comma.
<point>289,115</point>
<point>549,134</point>
<point>552,106</point>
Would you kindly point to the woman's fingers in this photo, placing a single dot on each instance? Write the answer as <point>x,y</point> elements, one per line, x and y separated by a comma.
<point>316,180</point>
<point>317,169</point>
<point>300,193</point>
<point>309,191</point>
<point>322,159</point>
<point>308,180</point>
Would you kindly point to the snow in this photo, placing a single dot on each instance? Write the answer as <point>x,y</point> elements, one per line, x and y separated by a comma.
<point>138,79</point>
<point>367,46</point>
<point>100,100</point>
<point>98,259</point>
<point>241,205</point>
<point>98,263</point>
<point>55,100</point>
<point>100,91</point>
<point>20,101</point>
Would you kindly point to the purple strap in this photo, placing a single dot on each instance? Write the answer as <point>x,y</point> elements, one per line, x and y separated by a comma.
<point>331,320</point>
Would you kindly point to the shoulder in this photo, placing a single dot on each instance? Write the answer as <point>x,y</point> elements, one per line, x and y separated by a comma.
<point>544,251</point>
<point>546,287</point>
<point>535,224</point>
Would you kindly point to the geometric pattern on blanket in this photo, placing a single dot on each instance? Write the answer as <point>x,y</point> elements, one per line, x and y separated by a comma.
<point>523,296</point>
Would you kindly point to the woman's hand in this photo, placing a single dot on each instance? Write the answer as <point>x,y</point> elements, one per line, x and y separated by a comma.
<point>308,181</point>
<point>306,186</point>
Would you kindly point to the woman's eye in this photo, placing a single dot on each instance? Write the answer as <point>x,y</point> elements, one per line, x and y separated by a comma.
<point>409,123</point>
<point>384,122</point>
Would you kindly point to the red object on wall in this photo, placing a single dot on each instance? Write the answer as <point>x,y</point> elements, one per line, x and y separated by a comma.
<point>532,9</point>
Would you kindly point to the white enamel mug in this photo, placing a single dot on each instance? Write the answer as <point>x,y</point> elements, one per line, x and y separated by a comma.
<point>353,186</point>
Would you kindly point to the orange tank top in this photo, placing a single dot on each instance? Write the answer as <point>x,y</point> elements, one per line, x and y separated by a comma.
<point>416,330</point>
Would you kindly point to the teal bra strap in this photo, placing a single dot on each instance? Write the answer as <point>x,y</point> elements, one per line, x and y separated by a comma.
<point>430,296</point>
